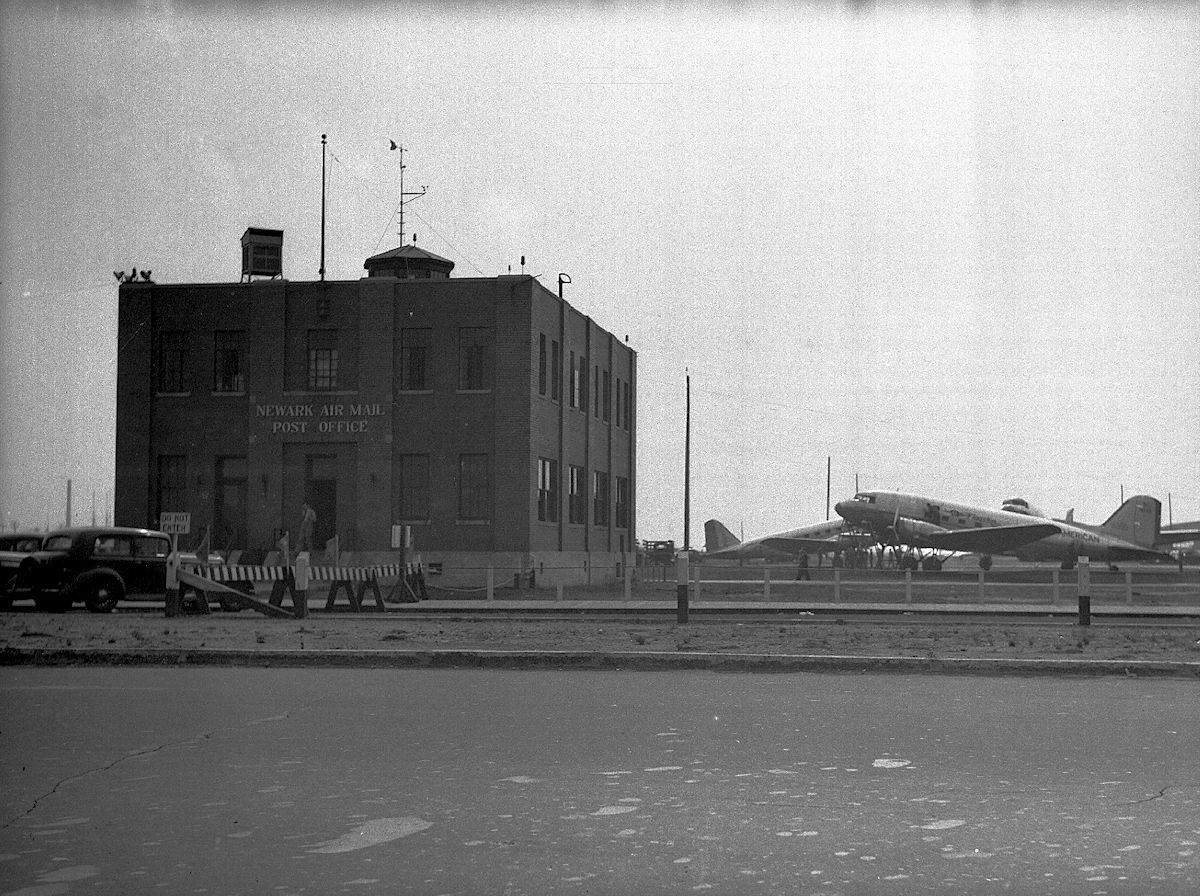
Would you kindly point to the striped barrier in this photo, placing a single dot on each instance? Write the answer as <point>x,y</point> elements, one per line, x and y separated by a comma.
<point>286,583</point>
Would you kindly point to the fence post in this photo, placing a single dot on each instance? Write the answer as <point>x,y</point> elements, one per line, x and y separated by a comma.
<point>491,584</point>
<point>908,586</point>
<point>1054,594</point>
<point>1128,587</point>
<point>837,584</point>
<point>628,578</point>
<point>1085,587</point>
<point>766,583</point>
<point>979,593</point>
<point>558,592</point>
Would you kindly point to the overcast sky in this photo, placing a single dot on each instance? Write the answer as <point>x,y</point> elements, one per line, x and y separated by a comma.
<point>955,247</point>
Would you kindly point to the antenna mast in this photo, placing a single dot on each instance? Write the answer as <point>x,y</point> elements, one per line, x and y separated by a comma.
<point>403,194</point>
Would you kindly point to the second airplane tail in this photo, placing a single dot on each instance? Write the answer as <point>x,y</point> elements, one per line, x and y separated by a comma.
<point>1138,520</point>
<point>717,537</point>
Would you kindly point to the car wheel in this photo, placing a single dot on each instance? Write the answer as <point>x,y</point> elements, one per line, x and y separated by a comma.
<point>101,595</point>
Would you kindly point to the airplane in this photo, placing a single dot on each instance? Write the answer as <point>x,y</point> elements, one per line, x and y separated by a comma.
<point>1131,533</point>
<point>1178,533</point>
<point>819,538</point>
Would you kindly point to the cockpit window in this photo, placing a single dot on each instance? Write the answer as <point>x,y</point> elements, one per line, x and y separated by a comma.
<point>865,498</point>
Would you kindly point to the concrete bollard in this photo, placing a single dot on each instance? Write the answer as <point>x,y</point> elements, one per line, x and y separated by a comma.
<point>302,579</point>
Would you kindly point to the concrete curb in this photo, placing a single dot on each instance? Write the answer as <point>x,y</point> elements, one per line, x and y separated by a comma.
<point>554,659</point>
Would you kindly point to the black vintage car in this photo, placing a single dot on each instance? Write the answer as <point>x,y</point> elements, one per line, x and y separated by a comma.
<point>96,565</point>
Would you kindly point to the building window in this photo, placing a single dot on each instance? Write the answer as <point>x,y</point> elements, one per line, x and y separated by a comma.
<point>622,486</point>
<point>583,384</point>
<point>628,406</point>
<point>413,487</point>
<point>577,497</point>
<point>230,490</point>
<point>474,487</point>
<point>172,484</point>
<point>573,386</point>
<point>617,398</point>
<point>596,386</point>
<point>599,499</point>
<point>172,361</point>
<point>322,360</point>
<point>474,358</point>
<point>607,397</point>
<point>227,361</point>
<point>542,360</point>
<point>414,358</point>
<point>547,507</point>
<point>555,370</point>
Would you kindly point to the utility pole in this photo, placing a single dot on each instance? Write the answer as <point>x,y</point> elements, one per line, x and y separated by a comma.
<point>322,208</point>
<point>687,469</point>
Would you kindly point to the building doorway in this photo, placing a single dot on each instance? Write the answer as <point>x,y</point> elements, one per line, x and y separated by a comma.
<point>229,505</point>
<point>320,490</point>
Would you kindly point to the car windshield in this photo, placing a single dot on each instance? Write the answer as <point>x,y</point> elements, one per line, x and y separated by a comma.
<point>58,543</point>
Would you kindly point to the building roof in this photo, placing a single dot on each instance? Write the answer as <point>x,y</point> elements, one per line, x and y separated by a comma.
<point>409,252</point>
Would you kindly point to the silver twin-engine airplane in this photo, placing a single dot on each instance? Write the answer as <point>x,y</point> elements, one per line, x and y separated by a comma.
<point>921,522</point>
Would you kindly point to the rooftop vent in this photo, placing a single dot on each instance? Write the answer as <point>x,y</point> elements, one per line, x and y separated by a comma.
<point>262,253</point>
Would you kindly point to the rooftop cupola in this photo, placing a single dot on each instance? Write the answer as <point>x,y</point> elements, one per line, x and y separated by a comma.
<point>409,263</point>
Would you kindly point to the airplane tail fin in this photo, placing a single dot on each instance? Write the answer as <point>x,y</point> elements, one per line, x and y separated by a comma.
<point>1137,520</point>
<point>717,537</point>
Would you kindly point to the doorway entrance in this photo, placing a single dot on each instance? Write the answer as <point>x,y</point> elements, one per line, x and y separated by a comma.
<point>320,490</point>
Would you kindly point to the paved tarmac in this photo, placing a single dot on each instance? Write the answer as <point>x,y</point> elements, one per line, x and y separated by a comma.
<point>294,781</point>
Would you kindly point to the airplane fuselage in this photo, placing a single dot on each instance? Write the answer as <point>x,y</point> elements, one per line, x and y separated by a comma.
<point>917,520</point>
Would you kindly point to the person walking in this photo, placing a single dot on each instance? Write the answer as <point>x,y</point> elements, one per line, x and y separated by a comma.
<point>802,569</point>
<point>308,517</point>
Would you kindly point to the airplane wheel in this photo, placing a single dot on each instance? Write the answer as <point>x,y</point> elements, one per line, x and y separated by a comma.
<point>985,563</point>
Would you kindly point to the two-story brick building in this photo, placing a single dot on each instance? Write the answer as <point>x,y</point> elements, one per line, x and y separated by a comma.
<point>486,413</point>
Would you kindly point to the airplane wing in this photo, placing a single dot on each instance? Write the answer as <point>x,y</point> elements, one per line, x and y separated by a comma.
<point>993,540</point>
<point>792,545</point>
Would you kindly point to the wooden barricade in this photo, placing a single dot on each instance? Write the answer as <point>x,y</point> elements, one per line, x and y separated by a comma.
<point>360,584</point>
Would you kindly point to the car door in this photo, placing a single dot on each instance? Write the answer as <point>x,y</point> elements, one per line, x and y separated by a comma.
<point>151,552</point>
<point>114,551</point>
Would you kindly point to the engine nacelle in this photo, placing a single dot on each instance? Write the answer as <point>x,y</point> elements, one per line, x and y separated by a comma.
<point>916,532</point>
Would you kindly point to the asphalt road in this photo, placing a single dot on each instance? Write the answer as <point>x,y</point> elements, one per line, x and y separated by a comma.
<point>182,780</point>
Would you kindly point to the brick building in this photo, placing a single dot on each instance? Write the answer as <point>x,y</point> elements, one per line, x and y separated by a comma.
<point>484,412</point>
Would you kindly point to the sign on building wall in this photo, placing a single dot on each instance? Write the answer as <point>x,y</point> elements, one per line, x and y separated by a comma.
<point>316,419</point>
